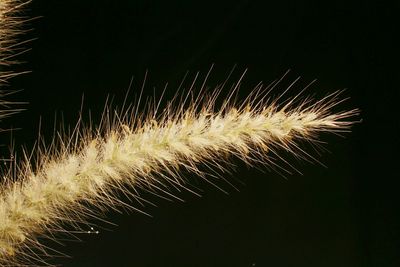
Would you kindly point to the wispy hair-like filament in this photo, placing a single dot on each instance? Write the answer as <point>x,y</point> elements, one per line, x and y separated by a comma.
<point>11,21</point>
<point>133,150</point>
<point>75,178</point>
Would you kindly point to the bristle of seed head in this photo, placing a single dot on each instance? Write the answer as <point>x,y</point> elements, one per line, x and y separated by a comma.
<point>135,151</point>
<point>75,178</point>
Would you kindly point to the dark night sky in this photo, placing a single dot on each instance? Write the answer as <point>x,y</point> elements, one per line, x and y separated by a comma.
<point>342,215</point>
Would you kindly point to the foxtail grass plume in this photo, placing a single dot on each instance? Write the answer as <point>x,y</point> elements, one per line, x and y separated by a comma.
<point>75,178</point>
<point>11,26</point>
<point>11,21</point>
<point>134,150</point>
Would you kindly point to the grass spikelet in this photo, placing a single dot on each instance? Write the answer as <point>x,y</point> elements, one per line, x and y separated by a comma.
<point>11,22</point>
<point>75,178</point>
<point>11,26</point>
<point>133,150</point>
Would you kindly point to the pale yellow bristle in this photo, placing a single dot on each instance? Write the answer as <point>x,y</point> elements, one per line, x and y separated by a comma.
<point>132,154</point>
<point>130,151</point>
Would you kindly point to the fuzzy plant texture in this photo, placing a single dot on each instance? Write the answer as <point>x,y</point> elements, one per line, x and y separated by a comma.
<point>76,177</point>
<point>11,22</point>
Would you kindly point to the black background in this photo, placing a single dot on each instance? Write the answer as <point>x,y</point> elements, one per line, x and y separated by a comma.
<point>342,215</point>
